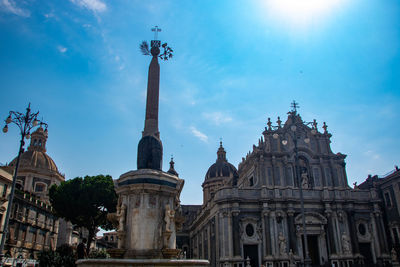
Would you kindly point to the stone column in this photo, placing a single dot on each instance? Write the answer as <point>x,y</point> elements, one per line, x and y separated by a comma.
<point>333,174</point>
<point>212,243</point>
<point>266,232</point>
<point>337,233</point>
<point>262,172</point>
<point>230,237</point>
<point>153,87</point>
<point>217,238</point>
<point>353,232</point>
<point>330,228</point>
<point>291,230</point>
<point>235,233</point>
<point>323,176</point>
<point>273,164</point>
<point>375,235</point>
<point>273,233</point>
<point>28,183</point>
<point>381,232</point>
<point>225,237</point>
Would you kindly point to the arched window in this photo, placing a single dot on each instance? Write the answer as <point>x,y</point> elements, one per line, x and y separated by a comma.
<point>40,187</point>
<point>19,185</point>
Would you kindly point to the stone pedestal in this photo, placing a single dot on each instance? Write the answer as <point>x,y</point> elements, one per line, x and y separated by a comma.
<point>150,198</point>
<point>141,263</point>
<point>116,253</point>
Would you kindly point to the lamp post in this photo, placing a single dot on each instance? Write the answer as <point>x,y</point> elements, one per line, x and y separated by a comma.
<point>292,129</point>
<point>26,122</point>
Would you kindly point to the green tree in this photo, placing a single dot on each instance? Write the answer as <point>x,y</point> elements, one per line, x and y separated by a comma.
<point>85,202</point>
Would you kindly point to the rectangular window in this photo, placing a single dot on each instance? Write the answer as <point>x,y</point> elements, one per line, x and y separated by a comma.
<point>289,178</point>
<point>322,146</point>
<point>277,176</point>
<point>317,177</point>
<point>328,176</point>
<point>29,236</point>
<point>313,145</point>
<point>5,190</point>
<point>269,173</point>
<point>388,200</point>
<point>395,235</point>
<point>251,181</point>
<point>39,187</point>
<point>274,144</point>
<point>339,176</point>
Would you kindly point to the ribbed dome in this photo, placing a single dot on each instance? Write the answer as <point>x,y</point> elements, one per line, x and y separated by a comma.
<point>35,159</point>
<point>221,168</point>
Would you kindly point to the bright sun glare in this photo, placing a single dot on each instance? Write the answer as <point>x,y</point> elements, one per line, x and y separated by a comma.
<point>300,13</point>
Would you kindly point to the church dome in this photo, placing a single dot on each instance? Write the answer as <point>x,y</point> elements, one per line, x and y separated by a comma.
<point>36,157</point>
<point>221,168</point>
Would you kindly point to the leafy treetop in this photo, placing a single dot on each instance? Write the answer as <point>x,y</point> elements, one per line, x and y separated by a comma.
<point>85,202</point>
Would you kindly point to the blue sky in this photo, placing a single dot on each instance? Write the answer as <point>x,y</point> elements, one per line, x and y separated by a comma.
<point>236,63</point>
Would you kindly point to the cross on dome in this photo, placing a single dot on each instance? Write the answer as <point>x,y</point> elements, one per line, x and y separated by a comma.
<point>294,105</point>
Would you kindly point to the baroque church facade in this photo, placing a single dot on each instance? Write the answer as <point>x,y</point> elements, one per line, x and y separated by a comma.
<point>289,188</point>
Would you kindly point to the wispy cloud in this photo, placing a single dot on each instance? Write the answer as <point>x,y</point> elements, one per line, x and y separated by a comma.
<point>49,15</point>
<point>62,49</point>
<point>199,134</point>
<point>372,154</point>
<point>217,117</point>
<point>11,7</point>
<point>93,5</point>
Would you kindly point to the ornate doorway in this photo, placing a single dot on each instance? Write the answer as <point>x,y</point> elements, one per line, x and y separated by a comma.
<point>313,248</point>
<point>316,240</point>
<point>251,251</point>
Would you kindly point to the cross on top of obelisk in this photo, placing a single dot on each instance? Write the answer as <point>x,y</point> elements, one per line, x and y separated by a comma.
<point>294,105</point>
<point>156,30</point>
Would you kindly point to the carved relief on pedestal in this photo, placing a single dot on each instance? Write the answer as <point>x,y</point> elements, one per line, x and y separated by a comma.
<point>118,219</point>
<point>169,219</point>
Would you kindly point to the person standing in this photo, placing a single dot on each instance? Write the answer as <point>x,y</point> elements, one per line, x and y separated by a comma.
<point>81,249</point>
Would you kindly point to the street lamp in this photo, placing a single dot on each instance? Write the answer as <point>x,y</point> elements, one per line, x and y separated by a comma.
<point>293,130</point>
<point>26,122</point>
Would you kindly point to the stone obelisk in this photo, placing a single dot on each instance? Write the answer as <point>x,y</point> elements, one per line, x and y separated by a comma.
<point>150,146</point>
<point>153,90</point>
<point>149,197</point>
